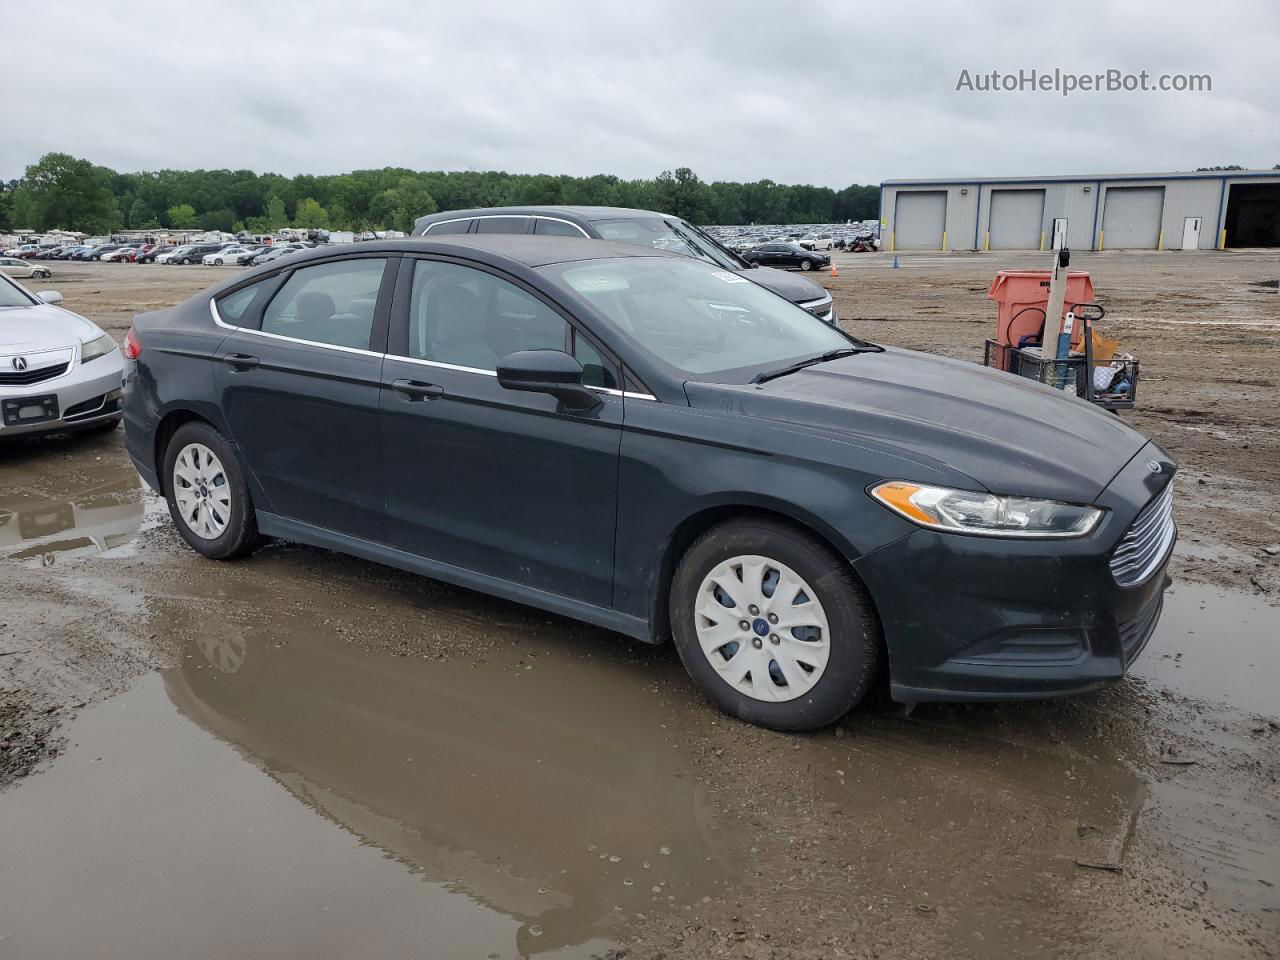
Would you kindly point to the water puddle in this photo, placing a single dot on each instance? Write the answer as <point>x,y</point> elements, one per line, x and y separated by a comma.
<point>54,507</point>
<point>1218,645</point>
<point>285,794</point>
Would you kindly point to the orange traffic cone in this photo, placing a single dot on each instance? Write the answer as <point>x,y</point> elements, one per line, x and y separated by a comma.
<point>834,271</point>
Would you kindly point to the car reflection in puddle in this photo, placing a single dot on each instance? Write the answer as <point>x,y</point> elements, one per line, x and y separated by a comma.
<point>45,526</point>
<point>552,797</point>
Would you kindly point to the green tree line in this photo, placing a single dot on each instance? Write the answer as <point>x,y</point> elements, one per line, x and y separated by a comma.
<point>65,192</point>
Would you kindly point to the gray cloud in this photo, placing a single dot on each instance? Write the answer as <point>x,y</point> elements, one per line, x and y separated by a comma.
<point>822,92</point>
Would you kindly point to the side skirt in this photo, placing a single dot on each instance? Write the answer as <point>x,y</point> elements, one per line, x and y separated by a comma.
<point>274,525</point>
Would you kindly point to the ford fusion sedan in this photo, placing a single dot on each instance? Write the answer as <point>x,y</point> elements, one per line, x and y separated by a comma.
<point>58,371</point>
<point>660,447</point>
<point>647,228</point>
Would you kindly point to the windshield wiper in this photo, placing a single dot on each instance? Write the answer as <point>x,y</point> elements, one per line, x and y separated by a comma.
<point>766,375</point>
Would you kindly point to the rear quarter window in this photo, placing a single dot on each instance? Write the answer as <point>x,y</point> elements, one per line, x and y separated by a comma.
<point>447,226</point>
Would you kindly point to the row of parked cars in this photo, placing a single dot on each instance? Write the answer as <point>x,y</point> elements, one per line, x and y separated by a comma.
<point>209,254</point>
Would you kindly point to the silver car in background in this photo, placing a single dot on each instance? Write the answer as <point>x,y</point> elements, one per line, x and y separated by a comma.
<point>58,371</point>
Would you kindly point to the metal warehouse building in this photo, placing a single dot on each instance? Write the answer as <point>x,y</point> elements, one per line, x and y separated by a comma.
<point>1148,211</point>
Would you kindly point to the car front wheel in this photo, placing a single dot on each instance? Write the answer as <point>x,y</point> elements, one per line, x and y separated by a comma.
<point>773,625</point>
<point>207,494</point>
<point>806,264</point>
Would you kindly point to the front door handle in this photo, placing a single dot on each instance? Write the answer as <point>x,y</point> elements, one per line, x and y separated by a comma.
<point>240,361</point>
<point>417,390</point>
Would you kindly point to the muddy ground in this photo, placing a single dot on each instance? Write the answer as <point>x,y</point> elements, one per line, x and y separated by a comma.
<point>305,754</point>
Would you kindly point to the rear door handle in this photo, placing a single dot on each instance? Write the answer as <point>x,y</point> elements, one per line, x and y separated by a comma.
<point>417,390</point>
<point>240,361</point>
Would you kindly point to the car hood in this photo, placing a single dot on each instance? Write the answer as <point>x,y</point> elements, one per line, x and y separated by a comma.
<point>793,286</point>
<point>41,327</point>
<point>1010,434</point>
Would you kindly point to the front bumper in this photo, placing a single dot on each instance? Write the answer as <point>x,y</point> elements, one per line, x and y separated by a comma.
<point>979,618</point>
<point>89,394</point>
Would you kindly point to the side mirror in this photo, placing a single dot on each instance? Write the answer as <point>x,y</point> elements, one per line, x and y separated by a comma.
<point>547,371</point>
<point>50,296</point>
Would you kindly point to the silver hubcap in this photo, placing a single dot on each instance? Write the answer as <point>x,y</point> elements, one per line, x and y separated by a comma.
<point>762,628</point>
<point>201,491</point>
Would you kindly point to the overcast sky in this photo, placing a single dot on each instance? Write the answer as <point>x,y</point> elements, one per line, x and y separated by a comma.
<point>800,91</point>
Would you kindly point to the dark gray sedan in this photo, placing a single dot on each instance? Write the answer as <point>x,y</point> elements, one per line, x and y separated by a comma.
<point>660,447</point>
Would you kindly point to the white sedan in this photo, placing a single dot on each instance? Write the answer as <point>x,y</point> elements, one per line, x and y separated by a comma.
<point>225,255</point>
<point>24,268</point>
<point>58,371</point>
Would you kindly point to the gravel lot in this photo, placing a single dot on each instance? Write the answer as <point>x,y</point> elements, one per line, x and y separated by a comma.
<point>306,754</point>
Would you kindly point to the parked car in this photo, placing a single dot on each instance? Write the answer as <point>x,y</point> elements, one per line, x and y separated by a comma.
<point>58,371</point>
<point>787,255</point>
<point>816,241</point>
<point>23,251</point>
<point>122,254</point>
<point>226,255</point>
<point>277,252</point>
<point>251,253</point>
<point>155,252</point>
<point>645,227</point>
<point>653,444</point>
<point>14,267</point>
<point>97,253</point>
<point>191,253</point>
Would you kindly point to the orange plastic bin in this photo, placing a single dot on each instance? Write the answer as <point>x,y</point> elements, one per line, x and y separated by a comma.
<point>1023,297</point>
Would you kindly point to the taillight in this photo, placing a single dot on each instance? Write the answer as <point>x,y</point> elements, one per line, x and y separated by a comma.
<point>132,345</point>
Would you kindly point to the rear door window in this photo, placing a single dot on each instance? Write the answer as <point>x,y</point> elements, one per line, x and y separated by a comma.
<point>329,303</point>
<point>502,224</point>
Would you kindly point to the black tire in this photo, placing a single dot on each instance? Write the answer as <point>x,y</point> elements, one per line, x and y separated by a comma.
<point>186,261</point>
<point>241,535</point>
<point>806,264</point>
<point>855,641</point>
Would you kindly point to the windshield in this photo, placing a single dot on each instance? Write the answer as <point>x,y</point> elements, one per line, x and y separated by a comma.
<point>668,233</point>
<point>11,295</point>
<point>711,323</point>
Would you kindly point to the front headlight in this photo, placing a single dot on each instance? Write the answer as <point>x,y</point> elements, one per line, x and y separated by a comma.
<point>93,349</point>
<point>985,514</point>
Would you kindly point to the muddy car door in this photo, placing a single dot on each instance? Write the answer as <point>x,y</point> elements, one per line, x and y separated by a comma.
<point>298,383</point>
<point>502,484</point>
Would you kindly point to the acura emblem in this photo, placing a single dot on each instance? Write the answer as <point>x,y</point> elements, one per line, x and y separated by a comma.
<point>1153,466</point>
<point>19,363</point>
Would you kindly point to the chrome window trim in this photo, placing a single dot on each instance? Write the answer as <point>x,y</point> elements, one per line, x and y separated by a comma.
<point>507,216</point>
<point>458,368</point>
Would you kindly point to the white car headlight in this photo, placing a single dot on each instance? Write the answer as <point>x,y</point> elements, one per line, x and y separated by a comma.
<point>98,347</point>
<point>985,514</point>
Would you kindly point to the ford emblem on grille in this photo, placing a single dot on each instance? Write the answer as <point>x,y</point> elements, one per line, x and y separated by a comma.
<point>1153,466</point>
<point>19,363</point>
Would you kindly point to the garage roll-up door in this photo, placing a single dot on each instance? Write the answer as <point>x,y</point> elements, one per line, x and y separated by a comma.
<point>919,218</point>
<point>1131,218</point>
<point>1017,218</point>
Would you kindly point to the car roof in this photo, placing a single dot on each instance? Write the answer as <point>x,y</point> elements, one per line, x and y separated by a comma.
<point>528,250</point>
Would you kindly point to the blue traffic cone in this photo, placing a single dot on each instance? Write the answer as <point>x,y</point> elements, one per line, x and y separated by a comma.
<point>895,261</point>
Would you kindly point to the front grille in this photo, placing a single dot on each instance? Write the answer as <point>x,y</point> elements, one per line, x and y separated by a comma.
<point>1146,545</point>
<point>1135,633</point>
<point>24,378</point>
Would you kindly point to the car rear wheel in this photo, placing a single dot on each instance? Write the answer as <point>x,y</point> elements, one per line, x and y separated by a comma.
<point>207,494</point>
<point>806,264</point>
<point>773,625</point>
